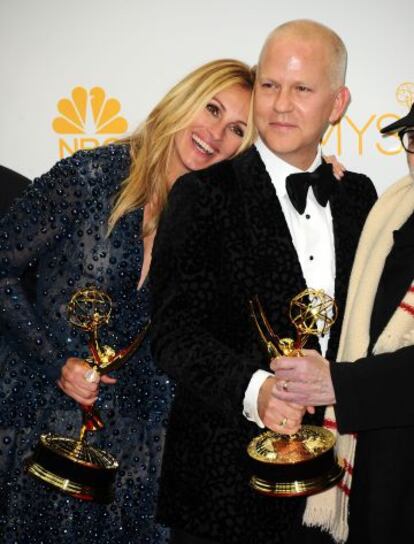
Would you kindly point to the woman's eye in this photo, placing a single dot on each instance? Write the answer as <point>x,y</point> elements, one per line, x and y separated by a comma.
<point>213,109</point>
<point>237,129</point>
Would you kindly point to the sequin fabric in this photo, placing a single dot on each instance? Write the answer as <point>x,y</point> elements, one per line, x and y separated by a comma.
<point>60,226</point>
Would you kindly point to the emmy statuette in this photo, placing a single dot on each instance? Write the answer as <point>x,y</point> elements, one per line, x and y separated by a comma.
<point>70,464</point>
<point>304,463</point>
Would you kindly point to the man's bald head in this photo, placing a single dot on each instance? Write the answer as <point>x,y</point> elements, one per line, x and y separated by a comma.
<point>313,32</point>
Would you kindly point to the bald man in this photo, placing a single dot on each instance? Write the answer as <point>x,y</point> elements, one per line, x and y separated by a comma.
<point>247,227</point>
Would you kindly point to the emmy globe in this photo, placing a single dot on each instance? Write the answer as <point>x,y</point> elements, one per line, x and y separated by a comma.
<point>304,463</point>
<point>70,464</point>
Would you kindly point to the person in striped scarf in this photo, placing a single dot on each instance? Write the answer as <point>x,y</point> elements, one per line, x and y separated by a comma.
<point>370,404</point>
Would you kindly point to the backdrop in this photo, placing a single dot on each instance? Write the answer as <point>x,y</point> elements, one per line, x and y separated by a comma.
<point>77,73</point>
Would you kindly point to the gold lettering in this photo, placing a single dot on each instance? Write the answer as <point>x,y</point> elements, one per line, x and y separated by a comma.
<point>394,150</point>
<point>360,133</point>
<point>328,134</point>
<point>88,143</point>
<point>110,141</point>
<point>65,150</point>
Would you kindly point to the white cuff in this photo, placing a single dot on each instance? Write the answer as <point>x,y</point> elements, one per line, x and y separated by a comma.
<point>251,396</point>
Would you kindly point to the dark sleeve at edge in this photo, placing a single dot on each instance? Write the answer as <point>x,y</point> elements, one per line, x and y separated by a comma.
<point>375,392</point>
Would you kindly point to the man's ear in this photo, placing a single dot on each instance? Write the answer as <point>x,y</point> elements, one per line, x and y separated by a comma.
<point>342,99</point>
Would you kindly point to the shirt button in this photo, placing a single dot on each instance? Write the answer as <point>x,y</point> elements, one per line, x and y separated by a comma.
<point>307,216</point>
<point>311,258</point>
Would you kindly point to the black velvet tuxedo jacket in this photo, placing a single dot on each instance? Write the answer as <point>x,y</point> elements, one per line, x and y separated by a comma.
<point>223,239</point>
<point>12,185</point>
<point>380,409</point>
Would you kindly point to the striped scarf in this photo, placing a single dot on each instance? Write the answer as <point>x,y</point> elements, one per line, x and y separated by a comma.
<point>329,509</point>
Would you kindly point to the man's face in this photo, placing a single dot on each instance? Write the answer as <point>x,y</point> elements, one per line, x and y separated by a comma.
<point>295,98</point>
<point>410,159</point>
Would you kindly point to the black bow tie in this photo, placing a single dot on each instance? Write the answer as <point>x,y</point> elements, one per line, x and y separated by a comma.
<point>321,180</point>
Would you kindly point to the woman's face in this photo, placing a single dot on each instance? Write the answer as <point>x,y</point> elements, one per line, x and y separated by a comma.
<point>215,133</point>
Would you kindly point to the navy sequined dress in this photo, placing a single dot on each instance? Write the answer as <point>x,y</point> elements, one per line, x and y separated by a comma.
<point>60,226</point>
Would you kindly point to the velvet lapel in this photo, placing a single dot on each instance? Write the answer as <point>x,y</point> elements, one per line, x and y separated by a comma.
<point>276,268</point>
<point>346,233</point>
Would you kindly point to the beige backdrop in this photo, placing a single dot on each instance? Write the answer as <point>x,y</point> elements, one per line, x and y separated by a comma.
<point>78,73</point>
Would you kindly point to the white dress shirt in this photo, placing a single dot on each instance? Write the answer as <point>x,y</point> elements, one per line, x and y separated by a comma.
<point>312,237</point>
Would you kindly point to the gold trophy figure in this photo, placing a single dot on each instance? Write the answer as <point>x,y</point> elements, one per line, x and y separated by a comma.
<point>304,463</point>
<point>70,464</point>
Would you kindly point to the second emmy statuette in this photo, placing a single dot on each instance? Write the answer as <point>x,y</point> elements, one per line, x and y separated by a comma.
<point>70,464</point>
<point>304,463</point>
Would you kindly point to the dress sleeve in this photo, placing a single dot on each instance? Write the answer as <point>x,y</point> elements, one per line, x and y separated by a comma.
<point>48,212</point>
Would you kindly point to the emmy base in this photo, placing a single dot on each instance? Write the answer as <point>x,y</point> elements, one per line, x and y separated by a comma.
<point>74,467</point>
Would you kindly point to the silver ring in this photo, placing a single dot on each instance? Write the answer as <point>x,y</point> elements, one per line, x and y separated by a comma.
<point>285,386</point>
<point>91,376</point>
<point>283,422</point>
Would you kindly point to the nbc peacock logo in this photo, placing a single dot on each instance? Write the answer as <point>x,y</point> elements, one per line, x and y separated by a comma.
<point>88,119</point>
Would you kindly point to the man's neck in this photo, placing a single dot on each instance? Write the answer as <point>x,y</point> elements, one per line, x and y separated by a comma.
<point>411,168</point>
<point>285,163</point>
<point>301,160</point>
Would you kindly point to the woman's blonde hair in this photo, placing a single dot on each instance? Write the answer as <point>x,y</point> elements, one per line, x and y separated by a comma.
<point>151,144</point>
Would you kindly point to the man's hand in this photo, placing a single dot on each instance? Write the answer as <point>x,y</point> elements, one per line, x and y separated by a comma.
<point>304,380</point>
<point>72,381</point>
<point>277,415</point>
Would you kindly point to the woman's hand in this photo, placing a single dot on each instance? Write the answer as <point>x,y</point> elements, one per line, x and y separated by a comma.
<point>72,381</point>
<point>337,167</point>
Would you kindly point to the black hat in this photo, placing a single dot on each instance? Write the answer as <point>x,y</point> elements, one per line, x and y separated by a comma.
<point>407,121</point>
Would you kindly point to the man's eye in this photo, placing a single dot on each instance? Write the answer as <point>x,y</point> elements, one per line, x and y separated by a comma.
<point>303,89</point>
<point>213,109</point>
<point>237,129</point>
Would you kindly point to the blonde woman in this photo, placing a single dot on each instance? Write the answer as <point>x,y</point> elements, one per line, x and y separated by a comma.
<point>91,220</point>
